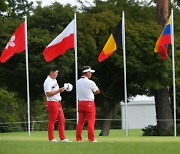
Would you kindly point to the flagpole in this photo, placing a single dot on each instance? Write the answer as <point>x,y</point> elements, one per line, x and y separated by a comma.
<point>173,68</point>
<point>76,66</point>
<point>124,59</point>
<point>27,77</point>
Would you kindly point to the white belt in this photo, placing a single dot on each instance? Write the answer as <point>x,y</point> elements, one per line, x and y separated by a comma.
<point>54,100</point>
<point>86,100</point>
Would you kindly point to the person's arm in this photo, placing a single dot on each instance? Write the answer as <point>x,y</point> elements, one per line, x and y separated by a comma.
<point>95,89</point>
<point>52,93</point>
<point>97,92</point>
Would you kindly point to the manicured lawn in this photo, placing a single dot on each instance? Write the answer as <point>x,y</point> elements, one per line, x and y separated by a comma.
<point>115,143</point>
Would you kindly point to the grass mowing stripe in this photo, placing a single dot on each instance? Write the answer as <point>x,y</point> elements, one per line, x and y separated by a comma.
<point>37,143</point>
<point>35,147</point>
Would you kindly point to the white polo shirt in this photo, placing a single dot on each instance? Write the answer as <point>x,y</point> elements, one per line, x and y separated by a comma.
<point>51,85</point>
<point>86,89</point>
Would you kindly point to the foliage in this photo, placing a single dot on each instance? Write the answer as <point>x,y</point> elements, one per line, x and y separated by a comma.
<point>178,129</point>
<point>18,8</point>
<point>150,131</point>
<point>2,5</point>
<point>9,112</point>
<point>146,71</point>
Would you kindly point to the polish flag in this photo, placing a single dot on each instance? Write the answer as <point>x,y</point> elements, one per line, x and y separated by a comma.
<point>61,43</point>
<point>16,44</point>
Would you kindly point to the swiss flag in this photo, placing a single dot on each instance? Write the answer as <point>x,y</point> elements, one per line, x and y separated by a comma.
<point>61,43</point>
<point>16,44</point>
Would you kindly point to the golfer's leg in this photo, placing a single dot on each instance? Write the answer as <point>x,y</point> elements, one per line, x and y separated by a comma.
<point>80,125</point>
<point>91,122</point>
<point>61,123</point>
<point>52,115</point>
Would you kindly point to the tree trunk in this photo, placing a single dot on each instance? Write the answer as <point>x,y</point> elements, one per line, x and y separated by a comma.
<point>24,125</point>
<point>110,107</point>
<point>162,12</point>
<point>163,112</point>
<point>162,99</point>
<point>33,124</point>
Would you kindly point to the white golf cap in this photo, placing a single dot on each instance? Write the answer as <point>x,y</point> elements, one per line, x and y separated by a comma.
<point>87,69</point>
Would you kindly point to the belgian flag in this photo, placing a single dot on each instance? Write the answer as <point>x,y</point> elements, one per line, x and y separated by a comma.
<point>114,41</point>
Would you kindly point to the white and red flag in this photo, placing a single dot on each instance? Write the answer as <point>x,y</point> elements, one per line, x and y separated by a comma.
<point>16,44</point>
<point>61,43</point>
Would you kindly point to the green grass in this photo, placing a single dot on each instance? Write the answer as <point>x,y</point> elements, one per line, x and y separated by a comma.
<point>115,143</point>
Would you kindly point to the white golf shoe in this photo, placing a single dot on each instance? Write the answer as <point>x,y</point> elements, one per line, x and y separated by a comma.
<point>53,140</point>
<point>66,140</point>
<point>95,140</point>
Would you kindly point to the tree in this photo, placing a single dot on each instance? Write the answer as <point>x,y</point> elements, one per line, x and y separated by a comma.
<point>162,12</point>
<point>146,72</point>
<point>9,112</point>
<point>162,97</point>
<point>145,69</point>
<point>2,5</point>
<point>101,22</point>
<point>18,8</point>
<point>47,29</point>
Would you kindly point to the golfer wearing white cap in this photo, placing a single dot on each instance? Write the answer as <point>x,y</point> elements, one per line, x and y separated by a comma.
<point>86,89</point>
<point>53,104</point>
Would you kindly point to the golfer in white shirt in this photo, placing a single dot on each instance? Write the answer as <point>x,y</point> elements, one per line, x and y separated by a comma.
<point>86,89</point>
<point>53,105</point>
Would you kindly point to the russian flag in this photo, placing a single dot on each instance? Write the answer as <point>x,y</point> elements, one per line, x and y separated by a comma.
<point>61,43</point>
<point>163,41</point>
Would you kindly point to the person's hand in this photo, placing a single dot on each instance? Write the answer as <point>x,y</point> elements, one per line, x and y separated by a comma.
<point>61,89</point>
<point>65,86</point>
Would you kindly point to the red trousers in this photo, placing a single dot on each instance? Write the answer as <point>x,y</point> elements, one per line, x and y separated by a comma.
<point>55,112</point>
<point>86,110</point>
